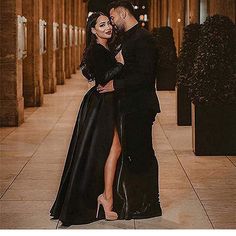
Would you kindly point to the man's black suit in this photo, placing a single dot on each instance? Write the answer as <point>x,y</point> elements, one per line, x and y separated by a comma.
<point>137,184</point>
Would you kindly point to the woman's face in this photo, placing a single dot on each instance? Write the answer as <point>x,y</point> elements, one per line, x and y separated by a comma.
<point>103,28</point>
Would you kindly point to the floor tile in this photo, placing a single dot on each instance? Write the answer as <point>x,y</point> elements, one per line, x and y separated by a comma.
<point>32,184</point>
<point>16,149</point>
<point>39,174</point>
<point>29,195</point>
<point>220,194</point>
<point>218,225</point>
<point>103,224</point>
<point>181,210</point>
<point>5,131</point>
<point>233,159</point>
<point>9,170</point>
<point>221,211</point>
<point>34,220</point>
<point>25,206</point>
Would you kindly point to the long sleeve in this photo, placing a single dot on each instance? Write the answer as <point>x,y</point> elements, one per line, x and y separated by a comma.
<point>105,66</point>
<point>113,72</point>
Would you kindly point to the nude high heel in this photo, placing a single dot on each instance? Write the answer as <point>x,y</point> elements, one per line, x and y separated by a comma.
<point>109,215</point>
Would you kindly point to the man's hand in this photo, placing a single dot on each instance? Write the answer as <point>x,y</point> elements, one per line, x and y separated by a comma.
<point>106,88</point>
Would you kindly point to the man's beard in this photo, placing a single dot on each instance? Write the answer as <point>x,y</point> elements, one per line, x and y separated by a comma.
<point>119,29</point>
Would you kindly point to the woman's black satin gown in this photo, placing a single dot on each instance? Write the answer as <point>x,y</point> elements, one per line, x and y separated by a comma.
<point>83,175</point>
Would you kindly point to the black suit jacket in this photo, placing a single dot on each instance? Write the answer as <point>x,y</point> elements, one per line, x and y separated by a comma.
<point>136,85</point>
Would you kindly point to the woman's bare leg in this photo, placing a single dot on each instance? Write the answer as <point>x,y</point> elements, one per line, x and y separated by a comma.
<point>110,167</point>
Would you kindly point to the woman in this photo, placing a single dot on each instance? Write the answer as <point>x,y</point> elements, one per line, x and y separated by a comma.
<point>88,176</point>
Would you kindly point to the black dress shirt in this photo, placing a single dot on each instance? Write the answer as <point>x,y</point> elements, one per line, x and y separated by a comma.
<point>136,84</point>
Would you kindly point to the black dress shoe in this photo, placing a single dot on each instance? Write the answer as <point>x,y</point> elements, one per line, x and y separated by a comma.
<point>65,224</point>
<point>151,210</point>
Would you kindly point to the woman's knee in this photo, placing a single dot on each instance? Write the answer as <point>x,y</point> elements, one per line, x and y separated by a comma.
<point>116,145</point>
<point>116,150</point>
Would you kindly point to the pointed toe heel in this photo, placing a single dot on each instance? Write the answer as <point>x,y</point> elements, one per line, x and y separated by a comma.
<point>109,214</point>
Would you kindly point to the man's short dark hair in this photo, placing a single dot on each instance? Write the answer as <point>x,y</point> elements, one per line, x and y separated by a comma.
<point>122,3</point>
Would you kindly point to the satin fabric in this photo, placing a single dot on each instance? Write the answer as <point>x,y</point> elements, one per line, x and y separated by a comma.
<point>83,179</point>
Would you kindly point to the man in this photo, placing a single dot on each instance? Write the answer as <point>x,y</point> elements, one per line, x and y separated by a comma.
<point>137,183</point>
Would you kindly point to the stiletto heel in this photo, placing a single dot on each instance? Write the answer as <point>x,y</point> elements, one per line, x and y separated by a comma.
<point>109,214</point>
<point>98,207</point>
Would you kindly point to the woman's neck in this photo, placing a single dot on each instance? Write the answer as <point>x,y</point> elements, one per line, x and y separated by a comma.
<point>103,42</point>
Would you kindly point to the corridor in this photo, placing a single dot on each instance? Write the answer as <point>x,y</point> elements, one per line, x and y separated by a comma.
<point>195,192</point>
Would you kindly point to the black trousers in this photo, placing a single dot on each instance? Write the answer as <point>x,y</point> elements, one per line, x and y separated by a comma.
<point>138,182</point>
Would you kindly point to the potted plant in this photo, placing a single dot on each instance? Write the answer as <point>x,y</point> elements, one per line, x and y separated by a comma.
<point>184,68</point>
<point>167,59</point>
<point>212,88</point>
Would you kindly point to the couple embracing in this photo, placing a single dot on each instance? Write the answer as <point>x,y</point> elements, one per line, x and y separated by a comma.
<point>111,171</point>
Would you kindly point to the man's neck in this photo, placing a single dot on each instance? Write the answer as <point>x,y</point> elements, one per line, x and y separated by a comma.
<point>130,24</point>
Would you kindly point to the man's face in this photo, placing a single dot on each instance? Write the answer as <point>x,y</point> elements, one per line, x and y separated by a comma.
<point>117,19</point>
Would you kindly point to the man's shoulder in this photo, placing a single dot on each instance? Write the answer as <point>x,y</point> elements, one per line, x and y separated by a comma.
<point>143,34</point>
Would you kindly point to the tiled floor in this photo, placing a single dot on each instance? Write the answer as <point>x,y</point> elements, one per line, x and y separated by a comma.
<point>195,192</point>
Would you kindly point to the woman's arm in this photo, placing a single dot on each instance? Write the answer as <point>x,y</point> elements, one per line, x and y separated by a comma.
<point>113,72</point>
<point>104,68</point>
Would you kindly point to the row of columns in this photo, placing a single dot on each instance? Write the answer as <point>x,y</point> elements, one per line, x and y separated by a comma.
<point>178,14</point>
<point>42,42</point>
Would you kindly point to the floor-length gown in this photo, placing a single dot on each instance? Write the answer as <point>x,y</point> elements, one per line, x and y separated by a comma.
<point>83,175</point>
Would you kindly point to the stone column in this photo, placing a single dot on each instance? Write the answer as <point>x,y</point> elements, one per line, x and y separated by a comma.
<point>164,12</point>
<point>194,11</point>
<point>81,19</point>
<point>173,13</point>
<point>176,11</point>
<point>49,57</point>
<point>11,99</point>
<point>60,52</point>
<point>68,47</point>
<point>73,48</point>
<point>78,25</point>
<point>159,13</point>
<point>155,13</point>
<point>33,63</point>
<point>151,15</point>
<point>226,8</point>
<point>84,15</point>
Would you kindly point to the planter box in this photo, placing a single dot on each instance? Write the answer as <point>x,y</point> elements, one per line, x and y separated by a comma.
<point>214,130</point>
<point>166,79</point>
<point>183,107</point>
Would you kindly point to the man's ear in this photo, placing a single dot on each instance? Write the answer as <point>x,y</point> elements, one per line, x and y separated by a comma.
<point>93,31</point>
<point>123,13</point>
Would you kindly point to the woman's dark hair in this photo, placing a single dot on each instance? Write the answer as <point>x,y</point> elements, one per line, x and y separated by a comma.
<point>85,65</point>
<point>92,20</point>
<point>113,44</point>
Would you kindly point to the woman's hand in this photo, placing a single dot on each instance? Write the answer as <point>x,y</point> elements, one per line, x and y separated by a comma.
<point>119,57</point>
<point>109,87</point>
